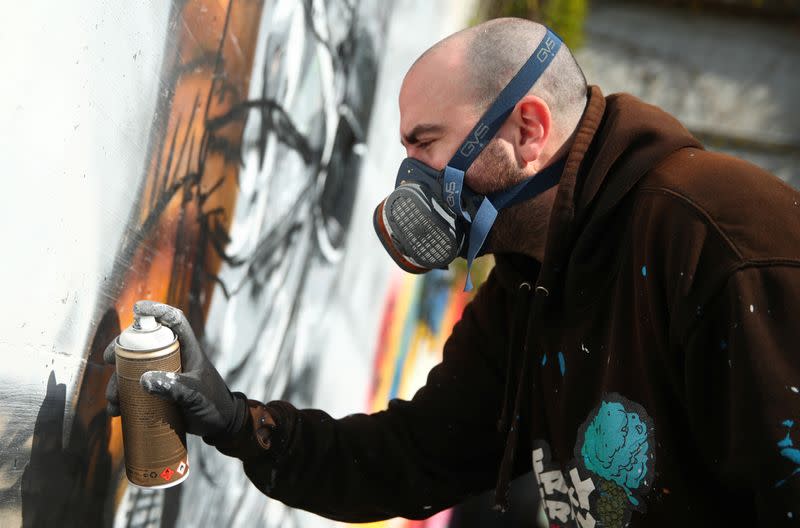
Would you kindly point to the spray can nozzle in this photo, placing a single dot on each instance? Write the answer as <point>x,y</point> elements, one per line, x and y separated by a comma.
<point>145,323</point>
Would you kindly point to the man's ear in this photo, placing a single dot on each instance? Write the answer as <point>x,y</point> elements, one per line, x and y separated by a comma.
<point>533,122</point>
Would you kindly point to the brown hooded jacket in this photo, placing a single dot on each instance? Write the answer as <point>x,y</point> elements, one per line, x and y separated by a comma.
<point>647,370</point>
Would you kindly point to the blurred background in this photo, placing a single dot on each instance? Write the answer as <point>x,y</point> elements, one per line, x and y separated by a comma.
<point>225,156</point>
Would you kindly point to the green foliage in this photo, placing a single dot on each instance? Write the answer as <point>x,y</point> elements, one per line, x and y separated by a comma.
<point>565,17</point>
<point>785,11</point>
<point>481,268</point>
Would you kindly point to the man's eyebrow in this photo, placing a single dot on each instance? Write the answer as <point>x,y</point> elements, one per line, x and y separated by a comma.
<point>411,138</point>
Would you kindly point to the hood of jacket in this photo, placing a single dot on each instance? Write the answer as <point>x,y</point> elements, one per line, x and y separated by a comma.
<point>618,139</point>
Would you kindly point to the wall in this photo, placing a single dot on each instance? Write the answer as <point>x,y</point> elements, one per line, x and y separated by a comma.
<point>77,109</point>
<point>732,80</point>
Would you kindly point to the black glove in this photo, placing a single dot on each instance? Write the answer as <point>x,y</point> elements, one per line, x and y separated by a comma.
<point>209,409</point>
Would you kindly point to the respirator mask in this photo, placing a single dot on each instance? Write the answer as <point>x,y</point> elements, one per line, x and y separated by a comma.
<point>432,217</point>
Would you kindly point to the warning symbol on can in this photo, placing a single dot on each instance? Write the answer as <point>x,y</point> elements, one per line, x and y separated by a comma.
<point>181,468</point>
<point>167,474</point>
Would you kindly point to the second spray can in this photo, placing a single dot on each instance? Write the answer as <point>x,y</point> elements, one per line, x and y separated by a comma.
<point>152,429</point>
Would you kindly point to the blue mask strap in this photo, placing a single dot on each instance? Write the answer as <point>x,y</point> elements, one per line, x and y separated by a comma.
<point>484,219</point>
<point>487,212</point>
<point>504,104</point>
<point>452,188</point>
<point>493,119</point>
<point>479,137</point>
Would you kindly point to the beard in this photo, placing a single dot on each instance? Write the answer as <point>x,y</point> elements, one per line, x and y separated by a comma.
<point>494,170</point>
<point>521,228</point>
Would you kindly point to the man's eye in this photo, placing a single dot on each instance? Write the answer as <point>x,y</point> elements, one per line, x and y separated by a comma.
<point>424,144</point>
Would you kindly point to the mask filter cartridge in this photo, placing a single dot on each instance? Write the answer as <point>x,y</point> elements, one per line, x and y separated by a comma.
<point>416,230</point>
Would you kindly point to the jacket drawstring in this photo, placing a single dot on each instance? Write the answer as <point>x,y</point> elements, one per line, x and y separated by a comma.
<point>509,424</point>
<point>521,306</point>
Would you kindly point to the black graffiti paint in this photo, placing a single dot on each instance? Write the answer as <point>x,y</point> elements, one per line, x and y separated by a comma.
<point>309,234</point>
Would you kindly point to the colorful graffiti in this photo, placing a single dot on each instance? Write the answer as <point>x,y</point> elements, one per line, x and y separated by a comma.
<point>418,318</point>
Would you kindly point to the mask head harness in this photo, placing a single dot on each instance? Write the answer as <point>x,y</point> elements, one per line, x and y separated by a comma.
<point>432,216</point>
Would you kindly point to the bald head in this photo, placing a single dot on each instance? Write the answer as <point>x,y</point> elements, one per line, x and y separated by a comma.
<point>483,59</point>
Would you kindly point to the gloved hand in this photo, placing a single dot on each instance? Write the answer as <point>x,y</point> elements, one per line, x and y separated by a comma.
<point>209,409</point>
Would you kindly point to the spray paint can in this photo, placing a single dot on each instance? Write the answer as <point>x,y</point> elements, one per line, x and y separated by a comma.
<point>153,433</point>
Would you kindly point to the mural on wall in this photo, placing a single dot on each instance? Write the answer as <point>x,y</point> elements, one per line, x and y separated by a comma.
<point>418,317</point>
<point>240,218</point>
<point>307,113</point>
<point>292,139</point>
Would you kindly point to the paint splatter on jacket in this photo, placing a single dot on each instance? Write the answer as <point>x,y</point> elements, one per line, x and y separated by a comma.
<point>647,370</point>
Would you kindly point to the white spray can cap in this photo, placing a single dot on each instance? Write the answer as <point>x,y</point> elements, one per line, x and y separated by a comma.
<point>146,334</point>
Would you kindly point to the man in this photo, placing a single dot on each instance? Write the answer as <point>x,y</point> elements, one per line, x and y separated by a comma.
<point>634,346</point>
